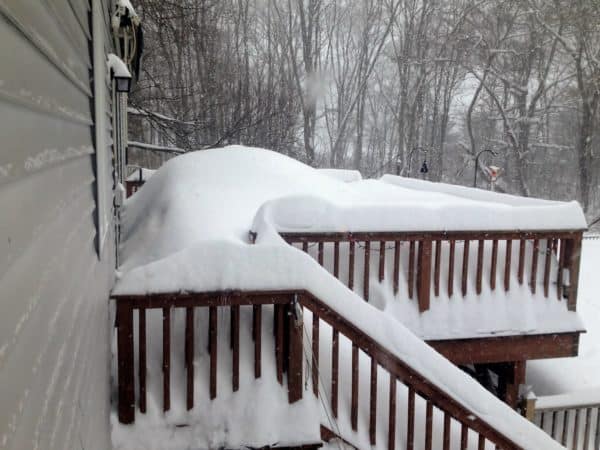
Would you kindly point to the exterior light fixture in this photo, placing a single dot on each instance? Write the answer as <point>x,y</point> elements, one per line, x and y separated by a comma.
<point>123,83</point>
<point>120,73</point>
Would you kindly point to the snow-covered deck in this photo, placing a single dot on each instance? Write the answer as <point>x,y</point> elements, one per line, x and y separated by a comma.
<point>201,200</point>
<point>188,231</point>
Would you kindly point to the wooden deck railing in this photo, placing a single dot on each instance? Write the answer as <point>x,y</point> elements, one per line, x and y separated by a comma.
<point>290,309</point>
<point>575,424</point>
<point>429,263</point>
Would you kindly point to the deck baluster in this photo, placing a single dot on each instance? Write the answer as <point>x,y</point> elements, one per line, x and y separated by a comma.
<point>597,436</point>
<point>373,403</point>
<point>565,429</point>
<point>446,443</point>
<point>424,274</point>
<point>295,328</point>
<point>464,437</point>
<point>428,425</point>
<point>411,269</point>
<point>367,266</point>
<point>494,264</point>
<point>396,266</point>
<point>392,414</point>
<point>507,258</point>
<point>315,354</point>
<point>257,333</point>
<point>480,249</point>
<point>451,267</point>
<point>521,267</point>
<point>410,420</point>
<point>320,251</point>
<point>278,328</point>
<point>125,363</point>
<point>381,261</point>
<point>336,259</point>
<point>547,267</point>
<point>235,323</point>
<point>481,442</point>
<point>354,395</point>
<point>189,356</point>
<point>465,266</point>
<point>561,265</point>
<point>351,251</point>
<point>142,358</point>
<point>534,264</point>
<point>166,358</point>
<point>586,433</point>
<point>212,327</point>
<point>335,361</point>
<point>576,429</point>
<point>436,269</point>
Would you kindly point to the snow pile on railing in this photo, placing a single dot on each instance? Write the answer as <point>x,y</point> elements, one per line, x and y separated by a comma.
<point>220,195</point>
<point>503,211</point>
<point>187,230</point>
<point>224,193</point>
<point>584,398</point>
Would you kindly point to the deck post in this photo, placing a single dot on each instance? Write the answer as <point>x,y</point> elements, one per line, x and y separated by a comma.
<point>573,259</point>
<point>511,376</point>
<point>125,362</point>
<point>529,407</point>
<point>424,274</point>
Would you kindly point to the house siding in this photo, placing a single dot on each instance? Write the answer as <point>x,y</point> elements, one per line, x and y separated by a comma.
<point>55,276</point>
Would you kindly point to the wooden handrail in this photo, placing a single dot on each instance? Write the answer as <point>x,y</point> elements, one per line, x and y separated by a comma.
<point>425,256</point>
<point>397,368</point>
<point>288,331</point>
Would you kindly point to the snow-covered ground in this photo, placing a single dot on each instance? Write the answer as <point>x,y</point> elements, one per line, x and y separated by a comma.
<point>565,375</point>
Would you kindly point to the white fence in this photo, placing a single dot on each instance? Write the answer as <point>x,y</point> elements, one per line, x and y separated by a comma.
<point>572,419</point>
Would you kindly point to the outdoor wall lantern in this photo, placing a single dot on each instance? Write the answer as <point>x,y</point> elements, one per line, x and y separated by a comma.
<point>123,83</point>
<point>120,73</point>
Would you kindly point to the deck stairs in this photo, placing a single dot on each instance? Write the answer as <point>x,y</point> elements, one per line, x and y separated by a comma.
<point>367,396</point>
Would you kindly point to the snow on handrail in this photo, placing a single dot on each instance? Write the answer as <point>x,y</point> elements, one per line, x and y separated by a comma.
<point>588,398</point>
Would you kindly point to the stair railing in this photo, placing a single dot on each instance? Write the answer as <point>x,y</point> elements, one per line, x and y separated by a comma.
<point>289,308</point>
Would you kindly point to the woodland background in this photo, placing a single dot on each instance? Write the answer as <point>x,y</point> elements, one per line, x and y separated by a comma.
<point>362,84</point>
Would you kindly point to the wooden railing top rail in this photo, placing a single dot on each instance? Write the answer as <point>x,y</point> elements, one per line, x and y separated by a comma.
<point>412,378</point>
<point>318,236</point>
<point>561,402</point>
